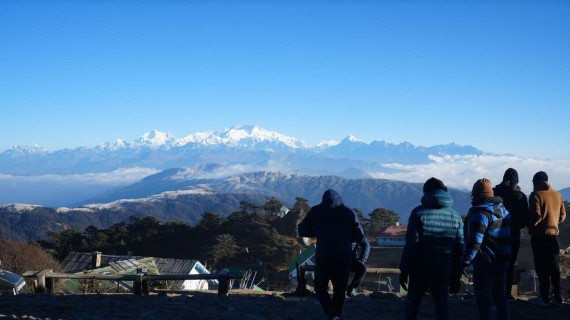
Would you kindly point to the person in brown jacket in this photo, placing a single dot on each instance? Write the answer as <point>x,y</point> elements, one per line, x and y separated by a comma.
<point>546,212</point>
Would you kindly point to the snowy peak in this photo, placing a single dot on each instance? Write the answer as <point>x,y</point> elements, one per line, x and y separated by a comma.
<point>24,149</point>
<point>112,146</point>
<point>156,138</point>
<point>249,137</point>
<point>352,139</point>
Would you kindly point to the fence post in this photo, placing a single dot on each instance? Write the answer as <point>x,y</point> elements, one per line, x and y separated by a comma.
<point>141,284</point>
<point>41,277</point>
<point>223,285</point>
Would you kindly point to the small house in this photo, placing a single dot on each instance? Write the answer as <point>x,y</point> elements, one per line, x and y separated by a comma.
<point>79,261</point>
<point>282,212</point>
<point>392,236</point>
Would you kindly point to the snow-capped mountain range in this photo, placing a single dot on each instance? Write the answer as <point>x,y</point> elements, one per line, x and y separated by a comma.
<point>34,175</point>
<point>244,145</point>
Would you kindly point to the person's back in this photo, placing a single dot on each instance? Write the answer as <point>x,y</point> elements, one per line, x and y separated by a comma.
<point>514,200</point>
<point>517,204</point>
<point>441,231</point>
<point>433,250</point>
<point>546,212</point>
<point>547,209</point>
<point>332,223</point>
<point>336,227</point>
<point>488,249</point>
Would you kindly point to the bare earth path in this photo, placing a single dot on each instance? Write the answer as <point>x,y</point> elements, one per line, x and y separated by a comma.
<point>240,304</point>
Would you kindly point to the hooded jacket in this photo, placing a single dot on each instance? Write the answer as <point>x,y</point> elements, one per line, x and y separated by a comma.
<point>546,210</point>
<point>335,226</point>
<point>488,232</point>
<point>516,203</point>
<point>434,239</point>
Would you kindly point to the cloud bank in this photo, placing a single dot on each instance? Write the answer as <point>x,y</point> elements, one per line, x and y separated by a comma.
<point>462,171</point>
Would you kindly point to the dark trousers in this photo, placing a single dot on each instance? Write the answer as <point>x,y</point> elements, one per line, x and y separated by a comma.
<point>546,252</point>
<point>336,270</point>
<point>357,274</point>
<point>439,287</point>
<point>515,245</point>
<point>489,285</point>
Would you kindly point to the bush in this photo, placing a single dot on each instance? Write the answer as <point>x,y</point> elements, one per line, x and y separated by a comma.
<point>19,257</point>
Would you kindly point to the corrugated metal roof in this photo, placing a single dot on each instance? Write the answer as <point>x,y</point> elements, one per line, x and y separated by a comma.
<point>75,285</point>
<point>79,261</point>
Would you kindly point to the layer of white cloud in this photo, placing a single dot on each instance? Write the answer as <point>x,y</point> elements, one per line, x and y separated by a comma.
<point>462,171</point>
<point>113,178</point>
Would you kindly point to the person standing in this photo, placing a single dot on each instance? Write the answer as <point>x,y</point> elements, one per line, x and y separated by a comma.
<point>358,266</point>
<point>517,204</point>
<point>433,250</point>
<point>546,212</point>
<point>488,249</point>
<point>336,227</point>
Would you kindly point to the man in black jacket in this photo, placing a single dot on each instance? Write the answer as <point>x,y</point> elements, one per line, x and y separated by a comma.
<point>516,203</point>
<point>336,227</point>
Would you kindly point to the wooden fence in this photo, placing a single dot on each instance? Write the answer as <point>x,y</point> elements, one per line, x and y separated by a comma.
<point>44,280</point>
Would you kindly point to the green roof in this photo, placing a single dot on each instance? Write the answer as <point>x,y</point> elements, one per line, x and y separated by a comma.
<point>302,258</point>
<point>76,285</point>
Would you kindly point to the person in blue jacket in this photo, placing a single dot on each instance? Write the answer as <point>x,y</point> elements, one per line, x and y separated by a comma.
<point>488,249</point>
<point>336,227</point>
<point>432,256</point>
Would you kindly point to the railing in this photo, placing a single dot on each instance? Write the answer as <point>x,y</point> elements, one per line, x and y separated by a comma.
<point>44,280</point>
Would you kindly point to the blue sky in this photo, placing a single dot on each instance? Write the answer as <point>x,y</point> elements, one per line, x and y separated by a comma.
<point>495,75</point>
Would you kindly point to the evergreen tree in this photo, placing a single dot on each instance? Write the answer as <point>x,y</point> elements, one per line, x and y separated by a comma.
<point>364,222</point>
<point>225,248</point>
<point>380,219</point>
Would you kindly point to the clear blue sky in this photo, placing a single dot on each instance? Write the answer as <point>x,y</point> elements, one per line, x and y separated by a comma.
<point>495,75</point>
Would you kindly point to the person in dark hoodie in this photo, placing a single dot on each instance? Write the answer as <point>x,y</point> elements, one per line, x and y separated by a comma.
<point>517,204</point>
<point>488,249</point>
<point>546,212</point>
<point>433,250</point>
<point>336,227</point>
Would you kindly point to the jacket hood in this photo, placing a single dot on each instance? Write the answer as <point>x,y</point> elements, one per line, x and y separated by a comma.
<point>511,177</point>
<point>508,185</point>
<point>541,185</point>
<point>331,199</point>
<point>494,206</point>
<point>437,199</point>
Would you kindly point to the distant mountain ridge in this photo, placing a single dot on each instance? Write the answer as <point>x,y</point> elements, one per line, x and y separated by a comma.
<point>366,194</point>
<point>180,194</point>
<point>244,145</point>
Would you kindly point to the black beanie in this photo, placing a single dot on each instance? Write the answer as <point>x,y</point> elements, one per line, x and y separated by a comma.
<point>540,176</point>
<point>433,184</point>
<point>511,175</point>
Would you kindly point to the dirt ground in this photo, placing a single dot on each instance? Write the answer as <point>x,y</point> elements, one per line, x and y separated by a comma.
<point>242,304</point>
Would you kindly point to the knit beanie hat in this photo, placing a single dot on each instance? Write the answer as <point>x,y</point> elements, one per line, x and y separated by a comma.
<point>512,176</point>
<point>433,184</point>
<point>540,176</point>
<point>482,189</point>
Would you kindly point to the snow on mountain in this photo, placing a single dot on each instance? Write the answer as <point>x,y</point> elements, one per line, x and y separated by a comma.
<point>248,137</point>
<point>112,146</point>
<point>19,207</point>
<point>25,150</point>
<point>156,138</point>
<point>247,146</point>
<point>327,144</point>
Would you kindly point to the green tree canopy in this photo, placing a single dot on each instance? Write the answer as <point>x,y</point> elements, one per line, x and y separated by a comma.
<point>380,219</point>
<point>224,249</point>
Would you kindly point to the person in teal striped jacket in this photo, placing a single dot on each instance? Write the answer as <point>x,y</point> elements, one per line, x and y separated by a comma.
<point>488,249</point>
<point>433,251</point>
